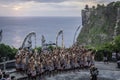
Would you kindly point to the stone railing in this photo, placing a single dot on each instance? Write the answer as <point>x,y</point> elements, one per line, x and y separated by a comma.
<point>7,64</point>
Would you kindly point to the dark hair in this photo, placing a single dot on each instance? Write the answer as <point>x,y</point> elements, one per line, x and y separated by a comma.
<point>4,74</point>
<point>12,77</point>
<point>0,76</point>
<point>7,75</point>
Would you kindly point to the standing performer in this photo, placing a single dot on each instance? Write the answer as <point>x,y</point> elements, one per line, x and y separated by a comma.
<point>18,62</point>
<point>94,73</point>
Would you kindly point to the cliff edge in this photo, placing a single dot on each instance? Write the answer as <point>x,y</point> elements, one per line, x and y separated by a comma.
<point>100,24</point>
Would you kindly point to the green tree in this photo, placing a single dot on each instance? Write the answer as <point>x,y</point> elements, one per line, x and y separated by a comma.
<point>39,49</point>
<point>7,51</point>
<point>51,48</point>
<point>117,43</point>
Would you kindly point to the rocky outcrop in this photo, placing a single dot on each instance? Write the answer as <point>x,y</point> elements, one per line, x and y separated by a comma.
<point>100,24</point>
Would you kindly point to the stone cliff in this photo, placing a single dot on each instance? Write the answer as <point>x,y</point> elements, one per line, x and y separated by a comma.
<point>100,24</point>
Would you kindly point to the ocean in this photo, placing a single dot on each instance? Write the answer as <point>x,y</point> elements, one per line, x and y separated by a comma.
<point>15,29</point>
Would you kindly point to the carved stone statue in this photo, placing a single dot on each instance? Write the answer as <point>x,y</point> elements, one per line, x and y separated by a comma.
<point>0,35</point>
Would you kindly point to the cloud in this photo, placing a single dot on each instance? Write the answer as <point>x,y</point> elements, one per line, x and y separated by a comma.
<point>47,1</point>
<point>55,1</point>
<point>46,7</point>
<point>41,1</point>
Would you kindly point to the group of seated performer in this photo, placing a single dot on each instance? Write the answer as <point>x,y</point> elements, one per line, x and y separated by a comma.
<point>58,60</point>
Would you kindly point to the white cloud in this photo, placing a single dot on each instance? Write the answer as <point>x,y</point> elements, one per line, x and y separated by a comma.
<point>47,8</point>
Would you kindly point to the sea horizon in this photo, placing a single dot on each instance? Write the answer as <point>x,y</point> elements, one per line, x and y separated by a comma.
<point>40,16</point>
<point>15,28</point>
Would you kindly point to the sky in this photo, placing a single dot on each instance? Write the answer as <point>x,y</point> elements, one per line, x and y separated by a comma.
<point>46,7</point>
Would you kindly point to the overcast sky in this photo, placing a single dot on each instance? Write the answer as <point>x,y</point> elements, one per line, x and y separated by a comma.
<point>46,7</point>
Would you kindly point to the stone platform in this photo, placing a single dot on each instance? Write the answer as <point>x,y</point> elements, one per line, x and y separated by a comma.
<point>106,72</point>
